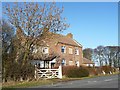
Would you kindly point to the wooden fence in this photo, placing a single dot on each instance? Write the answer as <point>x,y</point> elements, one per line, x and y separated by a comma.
<point>48,73</point>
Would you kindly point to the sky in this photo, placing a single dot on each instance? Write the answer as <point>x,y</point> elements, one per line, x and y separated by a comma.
<point>92,23</point>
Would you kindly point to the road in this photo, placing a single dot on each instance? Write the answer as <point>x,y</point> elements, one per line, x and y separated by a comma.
<point>98,82</point>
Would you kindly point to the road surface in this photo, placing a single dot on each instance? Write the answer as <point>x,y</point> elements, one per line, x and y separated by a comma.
<point>98,82</point>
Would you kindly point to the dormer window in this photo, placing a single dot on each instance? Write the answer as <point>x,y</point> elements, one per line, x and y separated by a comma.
<point>76,51</point>
<point>63,49</point>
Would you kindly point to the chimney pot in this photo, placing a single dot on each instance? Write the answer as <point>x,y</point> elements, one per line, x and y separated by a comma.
<point>69,35</point>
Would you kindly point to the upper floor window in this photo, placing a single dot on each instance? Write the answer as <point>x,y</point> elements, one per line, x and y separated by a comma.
<point>34,49</point>
<point>63,49</point>
<point>70,51</point>
<point>45,50</point>
<point>76,51</point>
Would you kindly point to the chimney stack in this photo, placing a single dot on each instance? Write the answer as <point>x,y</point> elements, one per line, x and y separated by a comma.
<point>69,35</point>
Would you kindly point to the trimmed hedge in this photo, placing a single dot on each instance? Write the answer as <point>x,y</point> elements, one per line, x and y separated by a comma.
<point>92,70</point>
<point>108,69</point>
<point>75,72</point>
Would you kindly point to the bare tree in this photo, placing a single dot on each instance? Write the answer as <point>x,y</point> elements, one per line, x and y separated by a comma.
<point>7,47</point>
<point>99,55</point>
<point>107,55</point>
<point>33,21</point>
<point>87,53</point>
<point>113,55</point>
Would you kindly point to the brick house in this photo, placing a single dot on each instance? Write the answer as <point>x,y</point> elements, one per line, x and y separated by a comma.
<point>67,52</point>
<point>57,50</point>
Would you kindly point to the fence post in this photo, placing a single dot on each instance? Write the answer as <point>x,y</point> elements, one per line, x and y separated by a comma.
<point>103,72</point>
<point>35,72</point>
<point>60,71</point>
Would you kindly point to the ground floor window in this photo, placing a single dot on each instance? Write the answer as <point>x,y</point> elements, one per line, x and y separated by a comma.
<point>63,62</point>
<point>77,63</point>
<point>40,64</point>
<point>71,62</point>
<point>52,65</point>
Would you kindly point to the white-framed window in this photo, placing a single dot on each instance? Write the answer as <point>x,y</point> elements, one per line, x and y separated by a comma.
<point>70,62</point>
<point>34,49</point>
<point>87,64</point>
<point>76,51</point>
<point>90,65</point>
<point>63,49</point>
<point>45,50</point>
<point>63,62</point>
<point>70,51</point>
<point>77,63</point>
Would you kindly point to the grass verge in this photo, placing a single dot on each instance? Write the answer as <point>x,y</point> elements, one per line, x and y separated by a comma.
<point>25,84</point>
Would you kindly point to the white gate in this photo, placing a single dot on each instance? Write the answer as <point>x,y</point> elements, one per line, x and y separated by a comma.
<point>48,73</point>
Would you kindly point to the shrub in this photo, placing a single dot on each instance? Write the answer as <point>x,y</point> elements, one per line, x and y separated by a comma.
<point>27,71</point>
<point>92,71</point>
<point>65,69</point>
<point>84,72</point>
<point>98,70</point>
<point>15,72</point>
<point>75,72</point>
<point>107,69</point>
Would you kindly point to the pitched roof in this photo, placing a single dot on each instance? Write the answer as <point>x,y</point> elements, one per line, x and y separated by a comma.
<point>87,61</point>
<point>57,38</point>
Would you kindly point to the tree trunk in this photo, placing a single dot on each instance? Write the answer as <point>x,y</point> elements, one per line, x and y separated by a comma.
<point>24,58</point>
<point>4,75</point>
<point>110,62</point>
<point>21,78</point>
<point>27,52</point>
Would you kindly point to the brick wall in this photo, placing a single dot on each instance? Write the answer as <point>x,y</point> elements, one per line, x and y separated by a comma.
<point>67,56</point>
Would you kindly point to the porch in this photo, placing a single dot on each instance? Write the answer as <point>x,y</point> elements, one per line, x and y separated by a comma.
<point>44,64</point>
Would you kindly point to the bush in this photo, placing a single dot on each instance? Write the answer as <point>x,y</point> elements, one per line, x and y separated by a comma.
<point>27,71</point>
<point>108,69</point>
<point>92,71</point>
<point>75,72</point>
<point>15,72</point>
